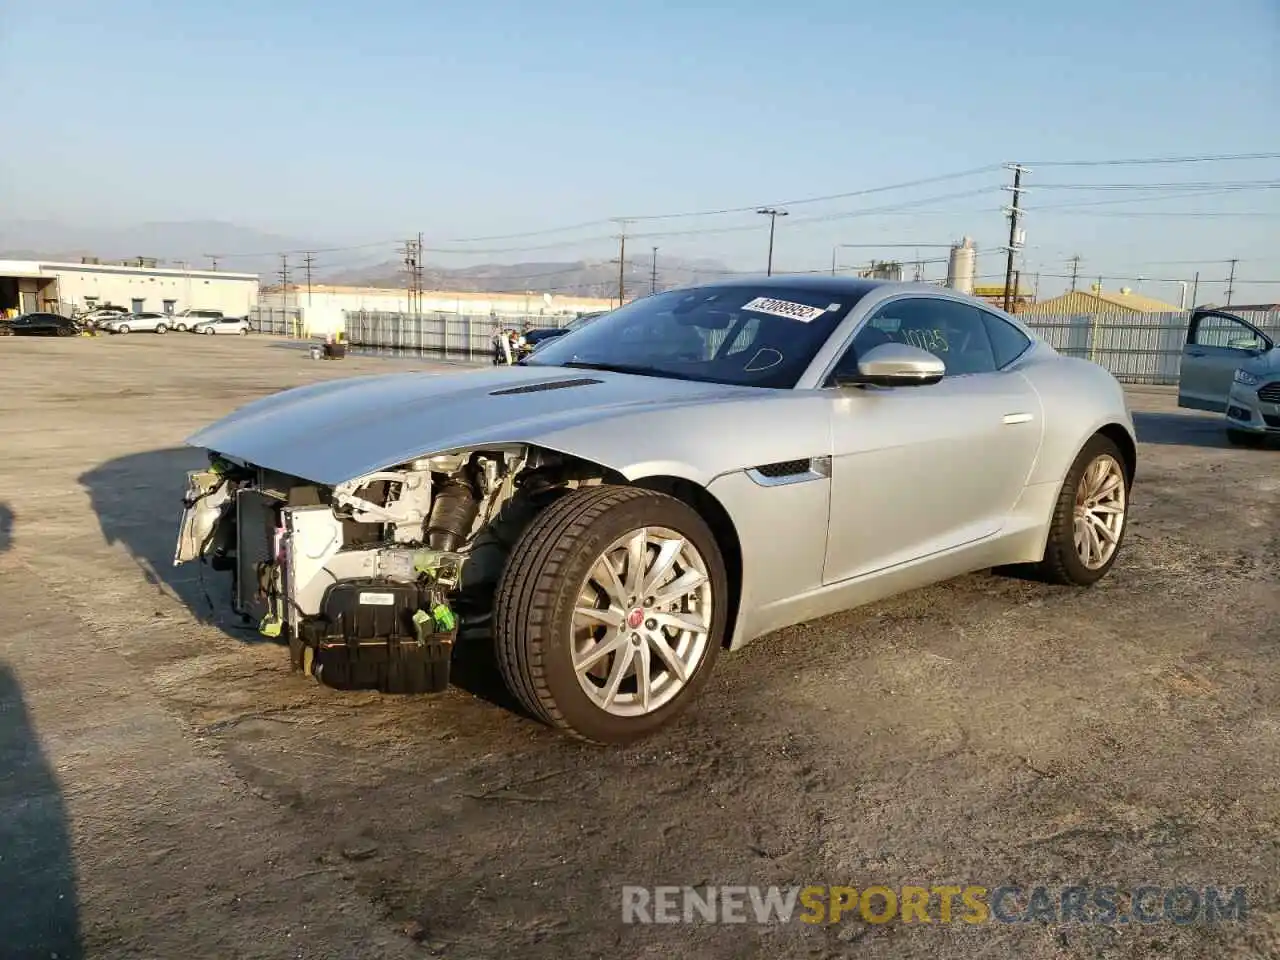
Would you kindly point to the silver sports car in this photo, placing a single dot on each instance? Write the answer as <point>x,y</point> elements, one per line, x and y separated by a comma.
<point>689,472</point>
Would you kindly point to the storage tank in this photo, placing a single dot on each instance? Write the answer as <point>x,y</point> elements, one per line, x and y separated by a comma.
<point>961,266</point>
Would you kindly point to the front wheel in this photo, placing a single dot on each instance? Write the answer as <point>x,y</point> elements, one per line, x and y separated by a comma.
<point>180,327</point>
<point>1089,520</point>
<point>1243,438</point>
<point>161,328</point>
<point>207,331</point>
<point>244,332</point>
<point>123,328</point>
<point>610,612</point>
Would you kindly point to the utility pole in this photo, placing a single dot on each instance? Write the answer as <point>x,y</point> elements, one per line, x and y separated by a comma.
<point>1015,240</point>
<point>413,273</point>
<point>308,260</point>
<point>653,274</point>
<point>1231,282</point>
<point>622,260</point>
<point>1195,290</point>
<point>284,289</point>
<point>773,216</point>
<point>1017,284</point>
<point>214,258</point>
<point>1075,271</point>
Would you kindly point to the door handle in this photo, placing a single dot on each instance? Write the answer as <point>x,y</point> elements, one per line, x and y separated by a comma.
<point>1010,418</point>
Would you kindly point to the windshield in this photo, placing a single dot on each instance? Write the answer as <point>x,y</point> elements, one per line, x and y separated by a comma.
<point>750,335</point>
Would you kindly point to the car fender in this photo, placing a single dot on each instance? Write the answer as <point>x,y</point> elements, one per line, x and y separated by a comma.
<point>1080,399</point>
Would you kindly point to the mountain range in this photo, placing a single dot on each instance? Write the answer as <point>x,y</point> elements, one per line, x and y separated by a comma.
<point>247,250</point>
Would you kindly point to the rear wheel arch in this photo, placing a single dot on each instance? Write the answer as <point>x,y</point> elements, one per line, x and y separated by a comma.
<point>1121,437</point>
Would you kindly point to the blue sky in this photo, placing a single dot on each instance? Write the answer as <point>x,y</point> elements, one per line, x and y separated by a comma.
<point>351,123</point>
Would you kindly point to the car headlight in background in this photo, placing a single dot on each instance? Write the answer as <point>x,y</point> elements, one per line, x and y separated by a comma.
<point>1246,379</point>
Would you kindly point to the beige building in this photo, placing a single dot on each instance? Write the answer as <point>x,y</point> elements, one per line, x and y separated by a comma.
<point>1096,300</point>
<point>31,285</point>
<point>323,306</point>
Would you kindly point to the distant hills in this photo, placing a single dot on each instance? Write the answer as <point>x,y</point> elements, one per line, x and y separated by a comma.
<point>246,250</point>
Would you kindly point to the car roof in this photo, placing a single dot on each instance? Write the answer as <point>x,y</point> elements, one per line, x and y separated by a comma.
<point>816,282</point>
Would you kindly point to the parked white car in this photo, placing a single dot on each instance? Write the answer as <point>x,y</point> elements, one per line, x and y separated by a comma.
<point>187,319</point>
<point>238,325</point>
<point>139,323</point>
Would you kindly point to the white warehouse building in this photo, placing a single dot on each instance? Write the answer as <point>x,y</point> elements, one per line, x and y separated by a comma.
<point>323,307</point>
<point>28,286</point>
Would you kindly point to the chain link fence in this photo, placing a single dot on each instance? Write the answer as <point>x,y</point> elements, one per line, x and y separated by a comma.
<point>450,336</point>
<point>278,322</point>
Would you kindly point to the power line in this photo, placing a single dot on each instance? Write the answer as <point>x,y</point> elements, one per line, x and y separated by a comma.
<point>1210,158</point>
<point>1233,185</point>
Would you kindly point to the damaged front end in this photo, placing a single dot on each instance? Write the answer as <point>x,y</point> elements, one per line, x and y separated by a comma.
<point>371,580</point>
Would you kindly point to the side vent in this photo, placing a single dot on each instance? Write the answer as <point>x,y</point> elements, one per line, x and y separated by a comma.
<point>540,387</point>
<point>791,471</point>
<point>786,468</point>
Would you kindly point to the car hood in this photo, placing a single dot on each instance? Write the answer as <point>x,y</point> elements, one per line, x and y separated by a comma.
<point>339,430</point>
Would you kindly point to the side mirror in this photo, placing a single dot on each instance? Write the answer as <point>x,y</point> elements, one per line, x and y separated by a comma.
<point>894,365</point>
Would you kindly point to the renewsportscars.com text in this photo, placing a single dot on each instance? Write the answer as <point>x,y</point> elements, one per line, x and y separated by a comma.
<point>971,904</point>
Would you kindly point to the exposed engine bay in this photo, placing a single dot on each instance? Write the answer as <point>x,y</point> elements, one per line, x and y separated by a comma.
<point>371,580</point>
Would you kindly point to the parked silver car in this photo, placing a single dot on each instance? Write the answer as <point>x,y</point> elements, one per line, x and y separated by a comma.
<point>137,323</point>
<point>1231,367</point>
<point>690,471</point>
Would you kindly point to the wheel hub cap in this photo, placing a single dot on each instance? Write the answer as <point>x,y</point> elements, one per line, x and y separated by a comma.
<point>1099,514</point>
<point>642,621</point>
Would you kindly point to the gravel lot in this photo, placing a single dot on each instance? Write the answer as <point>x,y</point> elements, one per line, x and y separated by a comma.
<point>169,789</point>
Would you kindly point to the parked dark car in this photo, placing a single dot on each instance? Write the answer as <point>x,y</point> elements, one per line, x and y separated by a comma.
<point>44,325</point>
<point>537,337</point>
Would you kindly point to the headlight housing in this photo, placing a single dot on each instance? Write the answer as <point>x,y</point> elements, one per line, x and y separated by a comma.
<point>1245,378</point>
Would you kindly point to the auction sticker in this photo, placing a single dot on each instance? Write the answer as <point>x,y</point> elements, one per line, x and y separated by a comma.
<point>784,308</point>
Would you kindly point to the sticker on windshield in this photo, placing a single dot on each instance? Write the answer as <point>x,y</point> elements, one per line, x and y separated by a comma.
<point>784,308</point>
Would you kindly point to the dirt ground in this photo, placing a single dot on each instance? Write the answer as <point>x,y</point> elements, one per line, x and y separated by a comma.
<point>168,789</point>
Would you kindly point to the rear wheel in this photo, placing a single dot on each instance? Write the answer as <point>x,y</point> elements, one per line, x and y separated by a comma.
<point>1090,519</point>
<point>610,612</point>
<point>244,332</point>
<point>180,327</point>
<point>123,328</point>
<point>207,331</point>
<point>1244,438</point>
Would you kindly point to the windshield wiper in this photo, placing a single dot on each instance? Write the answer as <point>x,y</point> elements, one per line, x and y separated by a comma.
<point>614,368</point>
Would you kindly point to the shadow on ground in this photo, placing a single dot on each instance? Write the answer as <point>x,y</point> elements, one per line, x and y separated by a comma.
<point>39,909</point>
<point>1181,429</point>
<point>138,500</point>
<point>6,527</point>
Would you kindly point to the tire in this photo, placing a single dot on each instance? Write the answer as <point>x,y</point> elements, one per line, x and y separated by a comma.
<point>1062,561</point>
<point>180,327</point>
<point>208,331</point>
<point>553,566</point>
<point>1243,438</point>
<point>161,328</point>
<point>123,328</point>
<point>244,332</point>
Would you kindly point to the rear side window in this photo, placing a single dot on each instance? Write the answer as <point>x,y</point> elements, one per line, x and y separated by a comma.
<point>1008,343</point>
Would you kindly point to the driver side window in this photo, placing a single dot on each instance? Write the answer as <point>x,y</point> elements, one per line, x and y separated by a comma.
<point>952,331</point>
<point>1219,331</point>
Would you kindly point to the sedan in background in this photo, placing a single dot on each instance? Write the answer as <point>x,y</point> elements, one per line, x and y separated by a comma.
<point>1229,366</point>
<point>44,325</point>
<point>138,323</point>
<point>236,325</point>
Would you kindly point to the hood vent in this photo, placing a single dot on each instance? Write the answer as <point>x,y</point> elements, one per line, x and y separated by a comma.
<point>539,387</point>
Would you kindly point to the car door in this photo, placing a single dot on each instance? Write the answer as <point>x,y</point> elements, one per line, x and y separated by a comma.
<point>920,470</point>
<point>1217,343</point>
